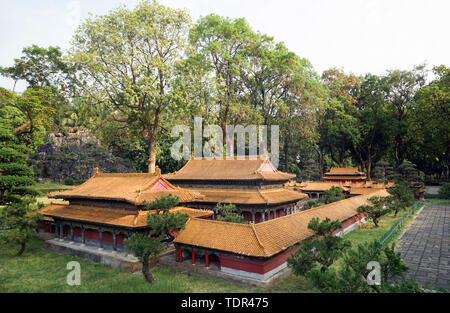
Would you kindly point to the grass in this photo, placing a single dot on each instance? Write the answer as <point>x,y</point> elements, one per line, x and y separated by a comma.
<point>49,186</point>
<point>368,232</point>
<point>437,201</point>
<point>39,270</point>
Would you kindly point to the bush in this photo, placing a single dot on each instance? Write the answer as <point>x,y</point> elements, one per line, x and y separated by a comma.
<point>68,181</point>
<point>444,192</point>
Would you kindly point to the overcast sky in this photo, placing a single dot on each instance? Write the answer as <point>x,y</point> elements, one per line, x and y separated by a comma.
<point>359,36</point>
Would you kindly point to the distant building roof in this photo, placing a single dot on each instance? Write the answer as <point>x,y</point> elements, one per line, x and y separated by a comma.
<point>344,171</point>
<point>267,238</point>
<point>134,188</point>
<point>113,217</point>
<point>319,186</point>
<point>260,169</point>
<point>249,196</point>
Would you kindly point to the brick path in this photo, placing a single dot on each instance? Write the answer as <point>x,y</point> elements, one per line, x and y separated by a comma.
<point>425,246</point>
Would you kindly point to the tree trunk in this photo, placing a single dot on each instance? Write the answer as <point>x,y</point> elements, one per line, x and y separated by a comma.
<point>146,271</point>
<point>151,156</point>
<point>152,142</point>
<point>286,154</point>
<point>320,152</point>
<point>22,248</point>
<point>369,169</point>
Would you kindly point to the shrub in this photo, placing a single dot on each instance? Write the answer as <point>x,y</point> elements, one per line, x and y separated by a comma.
<point>444,192</point>
<point>68,181</point>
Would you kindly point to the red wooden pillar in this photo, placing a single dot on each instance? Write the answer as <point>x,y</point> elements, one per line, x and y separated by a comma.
<point>206,259</point>
<point>179,254</point>
<point>193,256</point>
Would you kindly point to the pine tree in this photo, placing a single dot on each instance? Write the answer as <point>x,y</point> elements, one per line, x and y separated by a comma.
<point>376,209</point>
<point>163,223</point>
<point>227,213</point>
<point>17,217</point>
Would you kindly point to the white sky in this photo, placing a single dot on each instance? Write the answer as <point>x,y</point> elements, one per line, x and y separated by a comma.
<point>359,36</point>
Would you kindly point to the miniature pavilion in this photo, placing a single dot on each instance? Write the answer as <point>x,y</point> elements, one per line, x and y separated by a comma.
<point>253,185</point>
<point>345,175</point>
<point>108,208</point>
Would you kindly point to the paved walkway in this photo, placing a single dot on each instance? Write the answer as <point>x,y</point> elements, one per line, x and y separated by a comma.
<point>425,246</point>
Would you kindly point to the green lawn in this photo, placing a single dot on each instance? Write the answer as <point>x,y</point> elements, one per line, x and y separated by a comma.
<point>367,231</point>
<point>49,186</point>
<point>39,270</point>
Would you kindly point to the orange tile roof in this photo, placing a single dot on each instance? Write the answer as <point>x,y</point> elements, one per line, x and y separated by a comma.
<point>344,177</point>
<point>247,169</point>
<point>134,188</point>
<point>267,238</point>
<point>114,217</point>
<point>249,196</point>
<point>320,186</point>
<point>344,171</point>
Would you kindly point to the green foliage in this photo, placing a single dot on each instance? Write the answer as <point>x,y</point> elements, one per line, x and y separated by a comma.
<point>376,209</point>
<point>320,250</point>
<point>352,275</point>
<point>227,213</point>
<point>444,192</point>
<point>68,181</point>
<point>402,198</point>
<point>136,75</point>
<point>147,249</point>
<point>19,222</point>
<point>163,223</point>
<point>38,66</point>
<point>332,195</point>
<point>15,175</point>
<point>311,204</point>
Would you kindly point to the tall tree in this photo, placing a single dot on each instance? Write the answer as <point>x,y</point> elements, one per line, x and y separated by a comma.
<point>430,125</point>
<point>221,46</point>
<point>373,122</point>
<point>127,60</point>
<point>45,72</point>
<point>402,87</point>
<point>339,125</point>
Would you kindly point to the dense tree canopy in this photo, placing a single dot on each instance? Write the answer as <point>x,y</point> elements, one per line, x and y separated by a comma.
<point>134,73</point>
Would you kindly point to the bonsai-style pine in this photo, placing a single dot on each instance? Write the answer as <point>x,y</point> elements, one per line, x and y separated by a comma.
<point>376,209</point>
<point>402,197</point>
<point>163,223</point>
<point>319,250</point>
<point>17,218</point>
<point>227,213</point>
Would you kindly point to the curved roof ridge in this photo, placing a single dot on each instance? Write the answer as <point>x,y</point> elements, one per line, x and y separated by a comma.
<point>223,222</point>
<point>123,174</point>
<point>252,225</point>
<point>261,195</point>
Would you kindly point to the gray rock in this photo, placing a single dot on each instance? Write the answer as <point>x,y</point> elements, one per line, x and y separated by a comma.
<point>74,155</point>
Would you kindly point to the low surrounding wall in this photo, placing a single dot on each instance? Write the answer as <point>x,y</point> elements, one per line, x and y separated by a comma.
<point>115,260</point>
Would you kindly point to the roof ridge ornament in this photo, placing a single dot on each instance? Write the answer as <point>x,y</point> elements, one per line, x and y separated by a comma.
<point>95,171</point>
